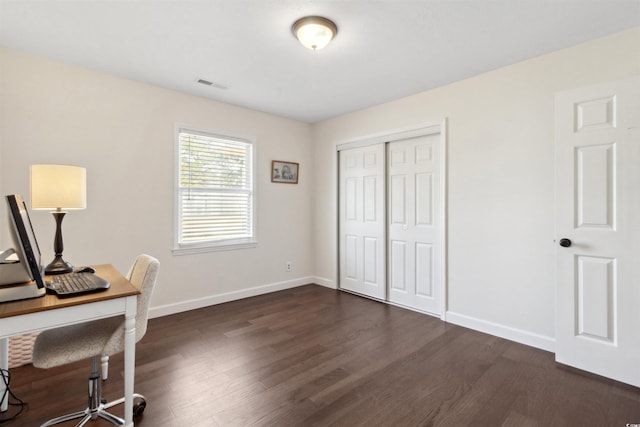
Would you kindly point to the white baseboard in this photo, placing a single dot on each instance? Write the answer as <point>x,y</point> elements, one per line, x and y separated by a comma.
<point>193,304</point>
<point>502,331</point>
<point>327,283</point>
<point>518,335</point>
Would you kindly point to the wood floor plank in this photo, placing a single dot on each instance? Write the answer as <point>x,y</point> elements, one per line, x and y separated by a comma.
<point>312,356</point>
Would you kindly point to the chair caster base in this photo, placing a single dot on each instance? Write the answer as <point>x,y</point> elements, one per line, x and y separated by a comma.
<point>89,414</point>
<point>138,407</point>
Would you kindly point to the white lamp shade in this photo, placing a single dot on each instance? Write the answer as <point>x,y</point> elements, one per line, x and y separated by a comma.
<point>314,32</point>
<point>58,186</point>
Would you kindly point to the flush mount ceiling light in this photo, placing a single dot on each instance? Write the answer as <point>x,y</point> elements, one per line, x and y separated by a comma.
<point>314,32</point>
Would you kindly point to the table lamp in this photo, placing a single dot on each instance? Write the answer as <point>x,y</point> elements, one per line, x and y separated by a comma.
<point>58,187</point>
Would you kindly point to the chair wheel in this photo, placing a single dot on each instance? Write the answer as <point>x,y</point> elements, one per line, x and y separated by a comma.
<point>138,407</point>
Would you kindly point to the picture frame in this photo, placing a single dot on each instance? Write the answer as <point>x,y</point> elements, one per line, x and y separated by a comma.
<point>284,172</point>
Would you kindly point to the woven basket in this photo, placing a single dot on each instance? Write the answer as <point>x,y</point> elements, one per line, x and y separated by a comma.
<point>20,348</point>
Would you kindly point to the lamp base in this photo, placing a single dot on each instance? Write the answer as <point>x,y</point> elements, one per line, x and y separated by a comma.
<point>58,266</point>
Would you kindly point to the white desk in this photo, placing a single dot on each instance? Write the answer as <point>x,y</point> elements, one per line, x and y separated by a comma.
<point>20,317</point>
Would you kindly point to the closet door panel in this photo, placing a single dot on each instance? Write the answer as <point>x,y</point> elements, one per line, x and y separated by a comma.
<point>362,220</point>
<point>413,187</point>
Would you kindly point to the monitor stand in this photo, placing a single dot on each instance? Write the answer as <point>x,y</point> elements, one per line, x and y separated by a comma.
<point>20,291</point>
<point>15,281</point>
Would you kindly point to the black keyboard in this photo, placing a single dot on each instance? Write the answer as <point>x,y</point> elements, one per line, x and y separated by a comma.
<point>66,285</point>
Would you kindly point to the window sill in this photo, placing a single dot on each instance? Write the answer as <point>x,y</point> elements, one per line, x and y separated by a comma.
<point>213,247</point>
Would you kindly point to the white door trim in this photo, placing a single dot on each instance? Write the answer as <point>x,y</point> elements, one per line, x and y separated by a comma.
<point>395,135</point>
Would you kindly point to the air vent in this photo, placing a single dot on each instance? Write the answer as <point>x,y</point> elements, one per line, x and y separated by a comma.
<point>212,84</point>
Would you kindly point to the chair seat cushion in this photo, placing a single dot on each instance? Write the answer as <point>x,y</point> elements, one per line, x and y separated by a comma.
<point>69,344</point>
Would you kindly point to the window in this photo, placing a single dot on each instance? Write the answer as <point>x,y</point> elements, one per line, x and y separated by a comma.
<point>215,197</point>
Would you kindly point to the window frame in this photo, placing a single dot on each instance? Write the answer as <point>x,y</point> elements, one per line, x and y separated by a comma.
<point>181,248</point>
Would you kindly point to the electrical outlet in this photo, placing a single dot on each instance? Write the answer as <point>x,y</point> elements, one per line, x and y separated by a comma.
<point>289,266</point>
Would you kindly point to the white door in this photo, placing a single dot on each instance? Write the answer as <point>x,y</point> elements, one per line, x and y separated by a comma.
<point>598,229</point>
<point>414,223</point>
<point>362,220</point>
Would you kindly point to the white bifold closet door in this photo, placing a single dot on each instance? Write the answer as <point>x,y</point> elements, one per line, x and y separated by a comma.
<point>391,244</point>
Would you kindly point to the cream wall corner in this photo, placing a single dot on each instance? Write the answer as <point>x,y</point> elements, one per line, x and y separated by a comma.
<point>123,133</point>
<point>500,181</point>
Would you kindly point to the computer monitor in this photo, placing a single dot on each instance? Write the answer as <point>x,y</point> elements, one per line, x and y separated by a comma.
<point>25,239</point>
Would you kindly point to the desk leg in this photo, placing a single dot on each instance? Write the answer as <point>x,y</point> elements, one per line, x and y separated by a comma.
<point>4,364</point>
<point>129,359</point>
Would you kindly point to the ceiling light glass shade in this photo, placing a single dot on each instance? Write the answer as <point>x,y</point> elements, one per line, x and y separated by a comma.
<point>58,187</point>
<point>314,32</point>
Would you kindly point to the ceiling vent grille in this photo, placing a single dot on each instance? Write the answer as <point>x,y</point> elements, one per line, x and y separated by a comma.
<point>212,84</point>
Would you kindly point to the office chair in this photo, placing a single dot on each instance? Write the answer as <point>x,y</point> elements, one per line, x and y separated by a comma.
<point>96,339</point>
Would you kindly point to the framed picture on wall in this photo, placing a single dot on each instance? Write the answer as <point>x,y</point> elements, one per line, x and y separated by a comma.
<point>286,172</point>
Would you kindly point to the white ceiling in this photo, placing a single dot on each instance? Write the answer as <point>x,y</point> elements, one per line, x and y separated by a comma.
<point>384,50</point>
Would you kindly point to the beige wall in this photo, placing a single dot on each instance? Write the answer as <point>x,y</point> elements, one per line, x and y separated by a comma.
<point>500,181</point>
<point>123,133</point>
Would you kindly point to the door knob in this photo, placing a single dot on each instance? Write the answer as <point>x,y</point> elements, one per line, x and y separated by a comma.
<point>565,243</point>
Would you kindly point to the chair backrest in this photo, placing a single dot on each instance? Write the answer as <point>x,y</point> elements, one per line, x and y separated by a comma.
<point>142,275</point>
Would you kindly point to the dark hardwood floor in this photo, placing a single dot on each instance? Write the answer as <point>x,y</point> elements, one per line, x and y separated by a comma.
<point>312,356</point>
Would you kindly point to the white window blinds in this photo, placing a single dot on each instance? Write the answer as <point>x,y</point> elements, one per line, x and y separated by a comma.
<point>215,190</point>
